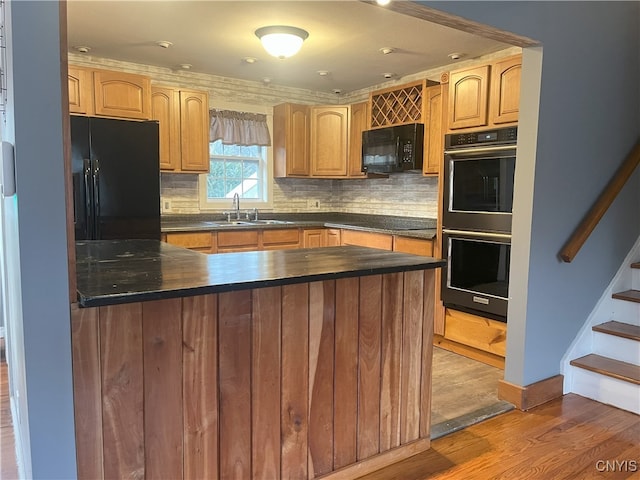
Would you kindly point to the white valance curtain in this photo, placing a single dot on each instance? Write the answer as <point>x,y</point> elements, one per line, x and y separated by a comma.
<point>239,128</point>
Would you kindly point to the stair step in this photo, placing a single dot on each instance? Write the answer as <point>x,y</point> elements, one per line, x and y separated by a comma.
<point>619,329</point>
<point>629,295</point>
<point>609,367</point>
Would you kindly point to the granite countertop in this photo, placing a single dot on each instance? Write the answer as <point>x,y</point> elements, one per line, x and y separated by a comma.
<point>112,272</point>
<point>389,224</point>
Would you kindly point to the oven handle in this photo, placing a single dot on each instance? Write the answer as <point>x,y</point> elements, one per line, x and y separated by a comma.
<point>471,233</point>
<point>480,150</point>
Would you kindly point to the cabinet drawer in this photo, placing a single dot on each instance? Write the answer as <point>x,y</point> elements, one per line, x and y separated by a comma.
<point>366,239</point>
<point>278,237</point>
<point>474,331</point>
<point>416,246</point>
<point>198,240</point>
<point>235,239</point>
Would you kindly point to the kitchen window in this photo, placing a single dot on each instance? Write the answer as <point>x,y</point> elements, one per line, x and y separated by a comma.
<point>236,165</point>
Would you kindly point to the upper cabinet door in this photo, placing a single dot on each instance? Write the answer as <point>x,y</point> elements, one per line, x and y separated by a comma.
<point>359,123</point>
<point>505,90</point>
<point>298,140</point>
<point>120,94</point>
<point>329,140</point>
<point>468,96</point>
<point>80,91</point>
<point>433,135</point>
<point>194,130</point>
<point>291,140</point>
<point>165,107</point>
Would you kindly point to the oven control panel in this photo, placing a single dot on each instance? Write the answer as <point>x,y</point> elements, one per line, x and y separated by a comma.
<point>499,136</point>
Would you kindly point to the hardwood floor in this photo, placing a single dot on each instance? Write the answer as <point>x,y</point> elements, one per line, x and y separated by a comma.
<point>568,438</point>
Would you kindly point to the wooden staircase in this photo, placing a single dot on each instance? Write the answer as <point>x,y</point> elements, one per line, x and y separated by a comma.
<point>611,374</point>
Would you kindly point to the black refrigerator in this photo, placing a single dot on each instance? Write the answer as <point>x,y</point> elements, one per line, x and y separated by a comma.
<point>116,179</point>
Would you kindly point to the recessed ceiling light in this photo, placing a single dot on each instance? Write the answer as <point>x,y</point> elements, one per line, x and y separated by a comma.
<point>266,80</point>
<point>164,43</point>
<point>383,2</point>
<point>387,50</point>
<point>249,60</point>
<point>455,56</point>
<point>186,66</point>
<point>82,49</point>
<point>337,91</point>
<point>388,75</point>
<point>323,73</point>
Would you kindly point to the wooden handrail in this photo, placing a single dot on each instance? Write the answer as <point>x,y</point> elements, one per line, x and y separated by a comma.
<point>604,201</point>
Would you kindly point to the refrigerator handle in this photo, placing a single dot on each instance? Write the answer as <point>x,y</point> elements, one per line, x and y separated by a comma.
<point>96,196</point>
<point>88,210</point>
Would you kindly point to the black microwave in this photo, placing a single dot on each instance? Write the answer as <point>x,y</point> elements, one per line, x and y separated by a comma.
<point>393,149</point>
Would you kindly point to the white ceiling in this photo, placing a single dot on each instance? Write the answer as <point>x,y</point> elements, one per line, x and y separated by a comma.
<point>345,38</point>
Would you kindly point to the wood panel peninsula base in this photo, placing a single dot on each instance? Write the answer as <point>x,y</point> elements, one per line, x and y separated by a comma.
<point>265,374</point>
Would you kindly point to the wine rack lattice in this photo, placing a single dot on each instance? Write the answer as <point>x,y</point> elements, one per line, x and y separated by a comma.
<point>394,107</point>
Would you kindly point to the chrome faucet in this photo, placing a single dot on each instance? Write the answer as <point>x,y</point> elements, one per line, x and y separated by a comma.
<point>236,205</point>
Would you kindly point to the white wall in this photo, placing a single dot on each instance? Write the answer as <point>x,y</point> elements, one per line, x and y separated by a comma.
<point>36,247</point>
<point>588,68</point>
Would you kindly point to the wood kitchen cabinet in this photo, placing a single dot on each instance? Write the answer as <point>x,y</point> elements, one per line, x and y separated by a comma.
<point>291,135</point>
<point>238,241</point>
<point>165,107</point>
<point>367,239</point>
<point>485,95</point>
<point>80,90</point>
<point>109,93</point>
<point>200,241</point>
<point>280,239</point>
<point>321,237</point>
<point>505,90</point>
<point>119,94</point>
<point>397,105</point>
<point>434,131</point>
<point>415,246</point>
<point>468,97</point>
<point>329,140</point>
<point>359,123</point>
<point>184,129</point>
<point>322,141</point>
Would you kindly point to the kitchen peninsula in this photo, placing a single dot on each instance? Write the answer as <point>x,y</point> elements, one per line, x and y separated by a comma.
<point>300,363</point>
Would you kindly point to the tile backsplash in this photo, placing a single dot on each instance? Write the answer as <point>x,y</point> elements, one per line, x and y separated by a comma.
<point>404,194</point>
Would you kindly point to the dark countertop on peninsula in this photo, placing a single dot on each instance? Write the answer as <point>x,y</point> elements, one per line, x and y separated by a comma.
<point>389,224</point>
<point>112,272</point>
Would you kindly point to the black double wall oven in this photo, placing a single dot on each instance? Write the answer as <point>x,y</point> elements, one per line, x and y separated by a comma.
<point>478,180</point>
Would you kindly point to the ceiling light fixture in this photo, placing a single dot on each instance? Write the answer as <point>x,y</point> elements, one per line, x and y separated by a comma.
<point>186,66</point>
<point>281,41</point>
<point>323,73</point>
<point>387,50</point>
<point>455,56</point>
<point>383,2</point>
<point>164,43</point>
<point>250,60</point>
<point>82,49</point>
<point>388,75</point>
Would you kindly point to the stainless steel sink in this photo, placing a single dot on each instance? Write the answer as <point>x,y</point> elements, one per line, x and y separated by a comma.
<point>224,223</point>
<point>269,222</point>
